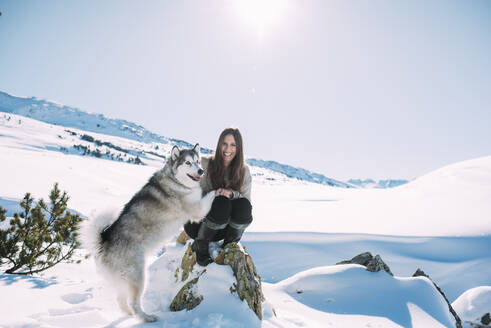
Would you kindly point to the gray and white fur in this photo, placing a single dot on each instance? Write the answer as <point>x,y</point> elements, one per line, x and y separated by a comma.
<point>170,198</point>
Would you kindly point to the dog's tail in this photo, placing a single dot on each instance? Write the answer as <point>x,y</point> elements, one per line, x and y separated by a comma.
<point>92,227</point>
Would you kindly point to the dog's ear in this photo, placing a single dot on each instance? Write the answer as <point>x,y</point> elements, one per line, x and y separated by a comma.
<point>197,149</point>
<point>174,154</point>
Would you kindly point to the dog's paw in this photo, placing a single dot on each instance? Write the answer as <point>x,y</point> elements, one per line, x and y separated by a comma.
<point>149,317</point>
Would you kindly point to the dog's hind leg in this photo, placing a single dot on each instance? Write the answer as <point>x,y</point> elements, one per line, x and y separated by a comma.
<point>135,301</point>
<point>136,292</point>
<point>123,302</point>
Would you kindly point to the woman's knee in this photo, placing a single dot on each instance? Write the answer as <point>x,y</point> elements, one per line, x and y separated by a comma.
<point>191,229</point>
<point>241,211</point>
<point>220,210</point>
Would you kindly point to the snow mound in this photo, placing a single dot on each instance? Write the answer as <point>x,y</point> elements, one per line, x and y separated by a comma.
<point>461,174</point>
<point>473,304</point>
<point>219,306</point>
<point>453,200</point>
<point>349,291</point>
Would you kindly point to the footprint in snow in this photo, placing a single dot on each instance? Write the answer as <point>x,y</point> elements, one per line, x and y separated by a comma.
<point>76,298</point>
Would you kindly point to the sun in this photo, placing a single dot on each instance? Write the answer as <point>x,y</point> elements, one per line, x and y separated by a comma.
<point>262,16</point>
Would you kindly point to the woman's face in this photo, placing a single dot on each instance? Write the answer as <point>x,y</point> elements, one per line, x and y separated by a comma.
<point>228,148</point>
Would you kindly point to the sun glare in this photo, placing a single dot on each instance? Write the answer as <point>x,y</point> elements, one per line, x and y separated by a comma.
<point>262,16</point>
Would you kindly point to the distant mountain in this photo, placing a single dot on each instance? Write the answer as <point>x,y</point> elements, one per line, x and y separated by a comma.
<point>297,173</point>
<point>370,183</point>
<point>58,114</point>
<point>54,113</point>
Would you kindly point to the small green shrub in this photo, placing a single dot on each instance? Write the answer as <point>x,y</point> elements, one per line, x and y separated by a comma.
<point>39,237</point>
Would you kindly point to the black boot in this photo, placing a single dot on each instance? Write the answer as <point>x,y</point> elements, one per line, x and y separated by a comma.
<point>232,235</point>
<point>200,244</point>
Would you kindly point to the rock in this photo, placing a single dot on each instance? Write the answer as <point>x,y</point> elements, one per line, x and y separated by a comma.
<point>458,322</point>
<point>376,264</point>
<point>486,319</point>
<point>183,238</point>
<point>373,264</point>
<point>187,298</point>
<point>362,259</point>
<point>188,262</point>
<point>248,284</point>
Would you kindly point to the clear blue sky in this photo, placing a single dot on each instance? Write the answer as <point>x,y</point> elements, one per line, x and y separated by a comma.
<point>350,89</point>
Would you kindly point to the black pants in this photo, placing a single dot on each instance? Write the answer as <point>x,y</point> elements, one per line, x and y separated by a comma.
<point>224,213</point>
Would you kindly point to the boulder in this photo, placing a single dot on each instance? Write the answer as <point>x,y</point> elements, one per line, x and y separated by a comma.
<point>183,238</point>
<point>486,319</point>
<point>373,264</point>
<point>458,322</point>
<point>477,325</point>
<point>187,263</point>
<point>247,286</point>
<point>187,297</point>
<point>362,259</point>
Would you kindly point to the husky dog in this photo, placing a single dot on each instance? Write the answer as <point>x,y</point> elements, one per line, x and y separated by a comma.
<point>171,197</point>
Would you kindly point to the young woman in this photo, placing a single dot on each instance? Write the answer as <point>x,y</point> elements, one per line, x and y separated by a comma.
<point>227,173</point>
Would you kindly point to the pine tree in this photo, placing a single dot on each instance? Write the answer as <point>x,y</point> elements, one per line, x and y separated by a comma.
<point>39,237</point>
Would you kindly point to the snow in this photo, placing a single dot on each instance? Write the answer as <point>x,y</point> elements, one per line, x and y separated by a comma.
<point>439,222</point>
<point>442,258</point>
<point>351,290</point>
<point>337,296</point>
<point>473,304</point>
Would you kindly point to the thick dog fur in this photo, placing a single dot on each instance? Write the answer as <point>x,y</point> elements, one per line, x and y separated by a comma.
<point>120,244</point>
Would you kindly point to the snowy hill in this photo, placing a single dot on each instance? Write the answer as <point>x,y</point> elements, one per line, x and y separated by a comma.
<point>340,291</point>
<point>58,114</point>
<point>70,117</point>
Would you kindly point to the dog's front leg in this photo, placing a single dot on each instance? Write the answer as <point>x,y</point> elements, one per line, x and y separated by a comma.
<point>205,203</point>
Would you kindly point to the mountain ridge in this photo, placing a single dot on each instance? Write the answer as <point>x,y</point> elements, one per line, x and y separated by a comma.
<point>52,112</point>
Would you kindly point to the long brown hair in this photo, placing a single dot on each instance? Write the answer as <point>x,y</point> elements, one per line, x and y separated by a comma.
<point>217,171</point>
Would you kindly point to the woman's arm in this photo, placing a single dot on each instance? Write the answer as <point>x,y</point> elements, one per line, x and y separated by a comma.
<point>245,190</point>
<point>205,179</point>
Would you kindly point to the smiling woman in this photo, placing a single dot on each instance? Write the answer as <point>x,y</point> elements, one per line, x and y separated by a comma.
<point>262,16</point>
<point>227,173</point>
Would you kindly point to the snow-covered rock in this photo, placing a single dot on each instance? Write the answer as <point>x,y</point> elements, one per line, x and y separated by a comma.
<point>473,305</point>
<point>372,263</point>
<point>246,287</point>
<point>458,321</point>
<point>350,296</point>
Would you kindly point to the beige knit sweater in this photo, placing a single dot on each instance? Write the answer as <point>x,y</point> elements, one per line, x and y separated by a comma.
<point>245,190</point>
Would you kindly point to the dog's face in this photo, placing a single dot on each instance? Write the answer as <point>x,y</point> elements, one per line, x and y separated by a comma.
<point>186,166</point>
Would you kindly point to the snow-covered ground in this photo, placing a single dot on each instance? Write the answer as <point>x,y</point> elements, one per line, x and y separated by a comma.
<point>72,295</point>
<point>439,222</point>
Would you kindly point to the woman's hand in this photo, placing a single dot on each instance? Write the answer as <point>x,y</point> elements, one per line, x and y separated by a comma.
<point>224,192</point>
